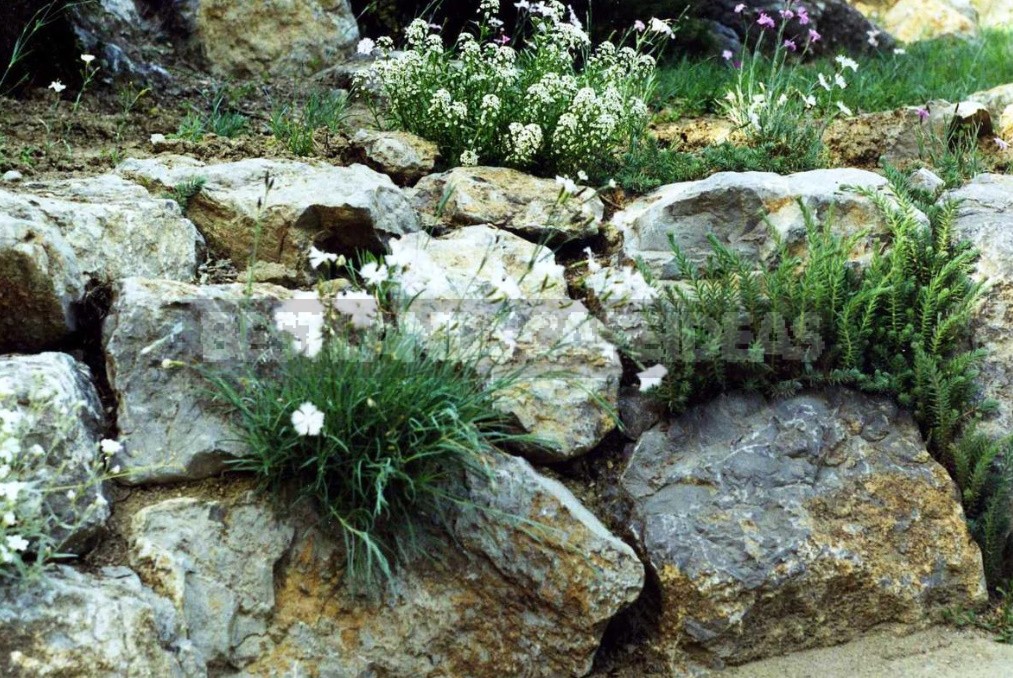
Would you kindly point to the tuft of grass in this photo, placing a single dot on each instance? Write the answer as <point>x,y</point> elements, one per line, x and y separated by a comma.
<point>400,428</point>
<point>222,116</point>
<point>185,191</point>
<point>294,126</point>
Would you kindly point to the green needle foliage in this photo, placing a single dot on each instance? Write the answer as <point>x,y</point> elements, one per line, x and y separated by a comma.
<point>898,326</point>
<point>400,429</point>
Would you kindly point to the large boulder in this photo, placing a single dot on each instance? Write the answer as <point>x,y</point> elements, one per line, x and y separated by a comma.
<point>525,582</point>
<point>994,13</point>
<point>59,237</point>
<point>985,218</point>
<point>157,337</point>
<point>289,38</point>
<point>996,100</point>
<point>736,208</point>
<point>493,294</point>
<point>506,198</point>
<point>339,209</point>
<point>48,400</point>
<point>910,20</point>
<point>103,624</point>
<point>777,526</point>
<point>403,156</point>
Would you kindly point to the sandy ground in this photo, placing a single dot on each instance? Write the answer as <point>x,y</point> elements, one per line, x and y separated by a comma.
<point>938,652</point>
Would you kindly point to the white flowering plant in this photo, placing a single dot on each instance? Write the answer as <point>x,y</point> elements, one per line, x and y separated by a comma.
<point>50,486</point>
<point>770,101</point>
<point>541,98</point>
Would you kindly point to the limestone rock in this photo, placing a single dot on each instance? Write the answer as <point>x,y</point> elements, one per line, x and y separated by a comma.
<point>57,237</point>
<point>994,13</point>
<point>216,564</point>
<point>59,411</point>
<point>403,156</point>
<point>926,180</point>
<point>282,39</point>
<point>731,206</point>
<point>339,209</point>
<point>910,20</point>
<point>168,425</point>
<point>527,588</point>
<point>104,624</point>
<point>996,100</point>
<point>779,526</point>
<point>491,291</point>
<point>511,200</point>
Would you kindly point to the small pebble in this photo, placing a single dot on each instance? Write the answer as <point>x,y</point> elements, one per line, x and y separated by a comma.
<point>12,176</point>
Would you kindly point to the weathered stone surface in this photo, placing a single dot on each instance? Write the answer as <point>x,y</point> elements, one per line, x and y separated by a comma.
<point>1006,124</point>
<point>59,410</point>
<point>290,38</point>
<point>926,180</point>
<point>509,199</point>
<point>493,292</point>
<point>125,42</point>
<point>106,624</point>
<point>168,425</point>
<point>910,20</point>
<point>995,13</point>
<point>56,237</point>
<point>340,209</point>
<point>401,155</point>
<point>778,526</point>
<point>216,564</point>
<point>527,588</point>
<point>731,207</point>
<point>985,219</point>
<point>996,100</point>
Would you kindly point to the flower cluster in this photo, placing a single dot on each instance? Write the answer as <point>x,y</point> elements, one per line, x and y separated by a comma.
<point>555,105</point>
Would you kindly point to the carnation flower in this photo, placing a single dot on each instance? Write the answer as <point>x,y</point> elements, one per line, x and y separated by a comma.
<point>308,420</point>
<point>57,86</point>
<point>765,20</point>
<point>373,274</point>
<point>739,7</point>
<point>318,258</point>
<point>87,58</point>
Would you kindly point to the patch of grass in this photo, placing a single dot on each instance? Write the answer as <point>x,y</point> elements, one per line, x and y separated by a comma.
<point>998,620</point>
<point>184,192</point>
<point>221,117</point>
<point>900,326</point>
<point>294,125</point>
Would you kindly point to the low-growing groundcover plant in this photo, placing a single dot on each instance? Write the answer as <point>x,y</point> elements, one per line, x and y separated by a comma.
<point>898,326</point>
<point>536,96</point>
<point>372,429</point>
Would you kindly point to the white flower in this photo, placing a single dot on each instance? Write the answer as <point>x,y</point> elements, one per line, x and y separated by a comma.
<point>10,449</point>
<point>308,420</point>
<point>568,185</point>
<point>87,58</point>
<point>302,317</point>
<point>366,47</point>
<point>11,490</point>
<point>71,495</point>
<point>844,109</point>
<point>810,100</point>
<point>592,265</point>
<point>5,470</point>
<point>16,542</point>
<point>581,175</point>
<point>824,83</point>
<point>612,183</point>
<point>651,377</point>
<point>841,82</point>
<point>36,450</point>
<point>373,275</point>
<point>899,51</point>
<point>110,447</point>
<point>319,258</point>
<point>469,158</point>
<point>846,62</point>
<point>115,469</point>
<point>9,420</point>
<point>658,26</point>
<point>9,519</point>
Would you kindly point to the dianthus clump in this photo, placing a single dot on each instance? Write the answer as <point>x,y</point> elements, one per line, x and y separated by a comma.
<point>556,104</point>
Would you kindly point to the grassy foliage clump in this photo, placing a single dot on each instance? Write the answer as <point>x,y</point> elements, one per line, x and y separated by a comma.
<point>399,428</point>
<point>294,125</point>
<point>899,326</point>
<point>221,116</point>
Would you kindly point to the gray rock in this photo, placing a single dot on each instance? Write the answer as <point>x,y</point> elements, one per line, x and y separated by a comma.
<point>479,291</point>
<point>527,588</point>
<point>215,562</point>
<point>56,237</point>
<point>732,206</point>
<point>404,156</point>
<point>12,176</point>
<point>60,412</point>
<point>156,334</point>
<point>339,209</point>
<point>996,99</point>
<point>926,180</point>
<point>506,198</point>
<point>777,526</point>
<point>102,625</point>
<point>985,218</point>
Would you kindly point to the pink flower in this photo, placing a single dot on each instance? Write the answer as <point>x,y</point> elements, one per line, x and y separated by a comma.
<point>923,113</point>
<point>727,55</point>
<point>790,46</point>
<point>503,39</point>
<point>787,14</point>
<point>814,36</point>
<point>739,7</point>
<point>803,16</point>
<point>639,26</point>
<point>1002,144</point>
<point>765,20</point>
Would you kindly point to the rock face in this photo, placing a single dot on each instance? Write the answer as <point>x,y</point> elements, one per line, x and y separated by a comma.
<point>777,526</point>
<point>910,20</point>
<point>168,425</point>
<point>493,292</point>
<point>731,207</point>
<point>57,237</point>
<point>511,200</point>
<point>76,624</point>
<point>340,209</point>
<point>994,13</point>
<point>986,220</point>
<point>511,598</point>
<point>286,39</point>
<point>996,100</point>
<point>403,156</point>
<point>59,410</point>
